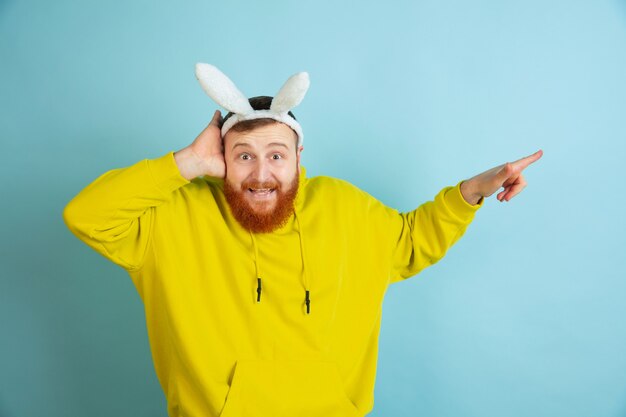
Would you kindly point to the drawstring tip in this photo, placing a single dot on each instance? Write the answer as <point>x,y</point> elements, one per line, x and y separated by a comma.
<point>258,290</point>
<point>308,303</point>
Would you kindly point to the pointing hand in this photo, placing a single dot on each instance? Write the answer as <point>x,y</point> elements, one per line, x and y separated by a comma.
<point>508,175</point>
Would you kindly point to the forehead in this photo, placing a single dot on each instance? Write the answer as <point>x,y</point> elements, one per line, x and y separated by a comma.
<point>261,137</point>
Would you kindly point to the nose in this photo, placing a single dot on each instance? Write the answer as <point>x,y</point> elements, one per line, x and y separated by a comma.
<point>262,171</point>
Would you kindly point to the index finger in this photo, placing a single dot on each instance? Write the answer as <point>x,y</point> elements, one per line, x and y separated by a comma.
<point>524,162</point>
<point>217,119</point>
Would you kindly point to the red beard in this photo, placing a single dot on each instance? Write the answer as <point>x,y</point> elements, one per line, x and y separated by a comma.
<point>260,219</point>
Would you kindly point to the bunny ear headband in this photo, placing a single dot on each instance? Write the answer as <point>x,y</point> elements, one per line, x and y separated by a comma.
<point>224,92</point>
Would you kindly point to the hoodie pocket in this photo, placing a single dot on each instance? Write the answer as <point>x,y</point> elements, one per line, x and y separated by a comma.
<point>286,389</point>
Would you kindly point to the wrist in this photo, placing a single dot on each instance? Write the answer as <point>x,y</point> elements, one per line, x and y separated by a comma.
<point>469,194</point>
<point>187,162</point>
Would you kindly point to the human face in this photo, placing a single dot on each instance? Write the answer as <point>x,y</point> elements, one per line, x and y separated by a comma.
<point>261,173</point>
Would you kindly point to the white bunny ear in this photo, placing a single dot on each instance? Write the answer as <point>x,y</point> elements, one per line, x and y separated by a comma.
<point>221,89</point>
<point>291,93</point>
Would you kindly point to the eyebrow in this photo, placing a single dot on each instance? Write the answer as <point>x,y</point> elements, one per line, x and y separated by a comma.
<point>269,144</point>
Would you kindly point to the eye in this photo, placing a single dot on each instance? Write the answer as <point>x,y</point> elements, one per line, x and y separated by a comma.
<point>244,156</point>
<point>277,156</point>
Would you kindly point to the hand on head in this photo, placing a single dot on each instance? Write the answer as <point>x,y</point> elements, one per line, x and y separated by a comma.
<point>205,155</point>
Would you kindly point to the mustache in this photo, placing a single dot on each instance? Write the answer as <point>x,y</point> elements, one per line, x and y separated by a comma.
<point>259,184</point>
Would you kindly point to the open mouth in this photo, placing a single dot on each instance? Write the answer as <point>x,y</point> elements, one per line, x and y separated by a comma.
<point>262,192</point>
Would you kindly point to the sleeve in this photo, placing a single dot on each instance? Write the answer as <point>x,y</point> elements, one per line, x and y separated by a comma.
<point>422,237</point>
<point>114,214</point>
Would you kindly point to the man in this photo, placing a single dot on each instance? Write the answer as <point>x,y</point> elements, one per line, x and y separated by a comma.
<point>263,288</point>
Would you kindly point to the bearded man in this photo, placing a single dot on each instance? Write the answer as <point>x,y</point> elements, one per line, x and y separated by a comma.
<point>264,161</point>
<point>263,288</point>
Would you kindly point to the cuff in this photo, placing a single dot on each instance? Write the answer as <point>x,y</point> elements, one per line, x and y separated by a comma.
<point>454,199</point>
<point>166,174</point>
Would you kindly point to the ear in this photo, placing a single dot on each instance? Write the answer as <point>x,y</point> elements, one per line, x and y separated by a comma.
<point>221,89</point>
<point>298,156</point>
<point>291,93</point>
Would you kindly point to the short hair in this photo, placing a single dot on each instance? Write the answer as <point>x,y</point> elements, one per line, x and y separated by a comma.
<point>257,103</point>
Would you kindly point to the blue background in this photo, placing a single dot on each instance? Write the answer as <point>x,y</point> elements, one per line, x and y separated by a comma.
<point>526,314</point>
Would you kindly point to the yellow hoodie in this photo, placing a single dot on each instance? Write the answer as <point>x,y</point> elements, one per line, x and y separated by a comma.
<point>280,324</point>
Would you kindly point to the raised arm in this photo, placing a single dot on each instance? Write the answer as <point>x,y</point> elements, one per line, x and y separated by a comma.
<point>423,236</point>
<point>114,213</point>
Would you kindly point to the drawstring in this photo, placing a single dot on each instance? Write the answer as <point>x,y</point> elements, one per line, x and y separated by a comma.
<point>307,299</point>
<point>256,265</point>
<point>308,302</point>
